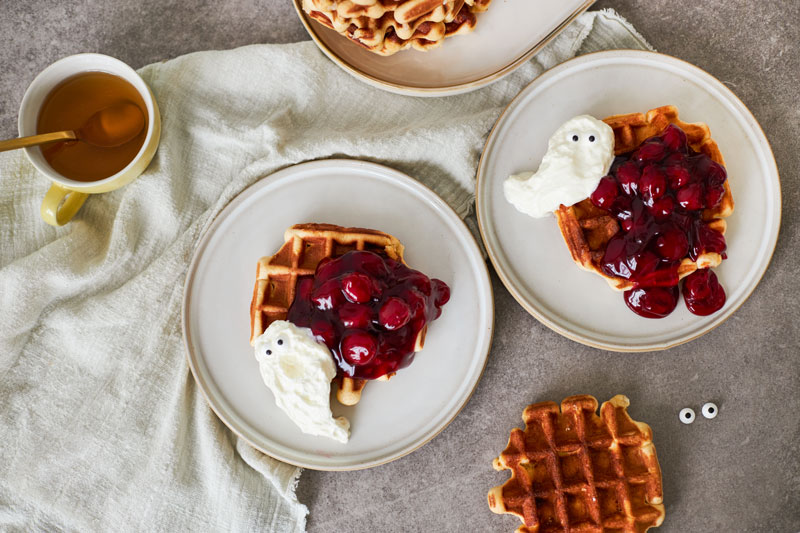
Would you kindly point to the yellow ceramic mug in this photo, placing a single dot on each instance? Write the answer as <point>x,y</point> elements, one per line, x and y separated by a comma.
<point>66,196</point>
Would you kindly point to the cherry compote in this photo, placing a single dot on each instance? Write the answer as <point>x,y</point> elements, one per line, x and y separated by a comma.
<point>658,194</point>
<point>702,292</point>
<point>652,302</point>
<point>369,310</point>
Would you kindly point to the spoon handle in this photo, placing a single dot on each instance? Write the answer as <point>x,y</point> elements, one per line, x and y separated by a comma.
<point>33,140</point>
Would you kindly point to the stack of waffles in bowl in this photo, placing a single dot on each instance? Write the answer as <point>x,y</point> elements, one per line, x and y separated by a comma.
<point>388,26</point>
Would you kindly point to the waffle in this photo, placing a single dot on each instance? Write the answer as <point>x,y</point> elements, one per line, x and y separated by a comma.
<point>305,245</point>
<point>388,26</point>
<point>574,471</point>
<point>587,229</point>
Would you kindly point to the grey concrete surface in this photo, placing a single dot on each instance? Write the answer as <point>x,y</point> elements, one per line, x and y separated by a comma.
<point>738,472</point>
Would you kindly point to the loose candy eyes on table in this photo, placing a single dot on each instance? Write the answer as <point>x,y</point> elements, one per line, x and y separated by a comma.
<point>687,415</point>
<point>710,410</point>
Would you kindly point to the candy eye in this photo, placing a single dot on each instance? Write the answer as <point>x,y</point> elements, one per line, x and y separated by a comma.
<point>709,410</point>
<point>269,352</point>
<point>280,342</point>
<point>591,138</point>
<point>575,138</point>
<point>686,415</point>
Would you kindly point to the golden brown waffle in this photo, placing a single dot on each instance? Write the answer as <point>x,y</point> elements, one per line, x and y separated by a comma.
<point>388,26</point>
<point>575,471</point>
<point>587,229</point>
<point>305,245</point>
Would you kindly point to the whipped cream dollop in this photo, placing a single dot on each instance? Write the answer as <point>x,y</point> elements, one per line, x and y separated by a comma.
<point>579,154</point>
<point>298,370</point>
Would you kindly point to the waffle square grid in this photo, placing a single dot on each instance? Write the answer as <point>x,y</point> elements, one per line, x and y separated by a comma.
<point>575,471</point>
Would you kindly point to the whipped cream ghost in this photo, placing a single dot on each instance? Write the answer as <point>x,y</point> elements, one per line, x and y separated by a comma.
<point>579,154</point>
<point>298,370</point>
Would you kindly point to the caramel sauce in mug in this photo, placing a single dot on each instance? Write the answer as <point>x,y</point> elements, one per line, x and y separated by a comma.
<point>68,106</point>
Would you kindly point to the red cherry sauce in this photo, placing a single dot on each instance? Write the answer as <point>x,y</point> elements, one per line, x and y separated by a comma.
<point>702,292</point>
<point>368,309</point>
<point>658,193</point>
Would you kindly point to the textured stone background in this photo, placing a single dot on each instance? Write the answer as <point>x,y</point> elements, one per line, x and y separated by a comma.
<point>739,472</point>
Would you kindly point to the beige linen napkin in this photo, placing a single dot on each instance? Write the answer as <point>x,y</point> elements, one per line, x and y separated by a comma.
<point>103,427</point>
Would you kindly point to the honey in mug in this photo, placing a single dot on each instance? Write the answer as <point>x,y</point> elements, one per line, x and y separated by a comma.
<point>68,106</point>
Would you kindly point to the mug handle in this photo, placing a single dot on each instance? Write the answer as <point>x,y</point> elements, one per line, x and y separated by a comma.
<point>60,205</point>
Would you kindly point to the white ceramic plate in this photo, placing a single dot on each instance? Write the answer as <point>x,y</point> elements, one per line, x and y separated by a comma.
<point>393,418</point>
<point>530,255</point>
<point>506,36</point>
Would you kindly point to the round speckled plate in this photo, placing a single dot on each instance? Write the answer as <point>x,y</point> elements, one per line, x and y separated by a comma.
<point>530,255</point>
<point>505,37</point>
<point>393,418</point>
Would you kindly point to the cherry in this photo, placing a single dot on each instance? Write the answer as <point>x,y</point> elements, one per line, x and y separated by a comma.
<point>371,263</point>
<point>615,259</point>
<point>653,183</point>
<point>714,194</point>
<point>325,270</point>
<point>672,245</point>
<point>707,240</point>
<point>703,167</point>
<point>644,228</point>
<point>325,331</point>
<point>677,176</point>
<point>628,175</point>
<point>683,220</point>
<point>394,313</point>
<point>702,292</point>
<point>645,263</point>
<point>690,197</point>
<point>623,207</point>
<point>674,138</point>
<point>304,288</point>
<point>442,292</point>
<point>328,295</point>
<point>415,301</point>
<point>355,315</point>
<point>716,174</point>
<point>676,159</point>
<point>420,281</point>
<point>662,208</point>
<point>652,302</point>
<point>358,347</point>
<point>605,193</point>
<point>357,287</point>
<point>650,152</point>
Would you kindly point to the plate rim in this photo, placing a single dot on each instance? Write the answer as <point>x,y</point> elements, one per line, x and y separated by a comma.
<point>203,242</point>
<point>531,309</point>
<point>443,90</point>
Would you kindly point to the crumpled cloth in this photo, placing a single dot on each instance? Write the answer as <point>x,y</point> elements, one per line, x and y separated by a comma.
<point>103,427</point>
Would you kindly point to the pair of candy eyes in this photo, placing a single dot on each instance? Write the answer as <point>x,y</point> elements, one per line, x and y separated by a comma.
<point>575,138</point>
<point>280,343</point>
<point>709,411</point>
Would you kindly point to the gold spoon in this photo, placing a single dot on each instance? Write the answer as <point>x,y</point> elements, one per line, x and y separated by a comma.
<point>111,126</point>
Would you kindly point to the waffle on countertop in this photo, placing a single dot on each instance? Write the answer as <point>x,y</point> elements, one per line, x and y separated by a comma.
<point>388,26</point>
<point>305,245</point>
<point>587,229</point>
<point>575,471</point>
